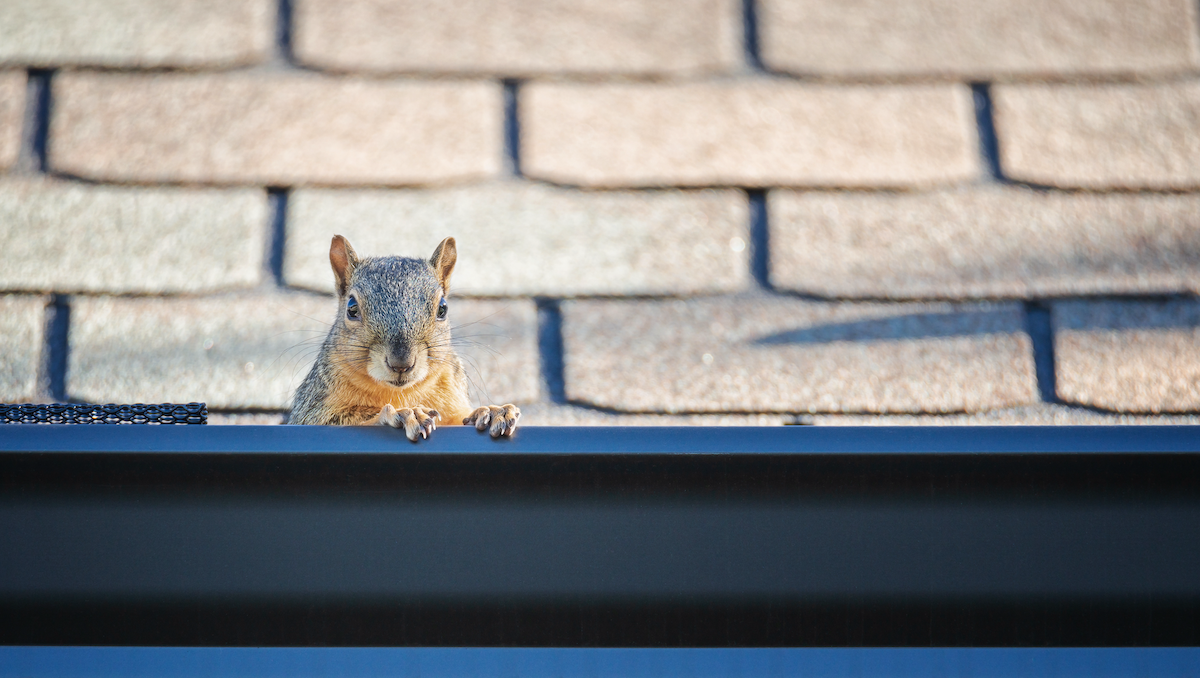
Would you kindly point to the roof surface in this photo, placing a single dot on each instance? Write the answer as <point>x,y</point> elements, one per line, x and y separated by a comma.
<point>688,212</point>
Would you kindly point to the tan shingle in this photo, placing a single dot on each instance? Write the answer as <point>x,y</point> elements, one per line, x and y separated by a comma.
<point>522,238</point>
<point>983,242</point>
<point>72,237</point>
<point>230,352</point>
<point>245,419</point>
<point>136,33</point>
<point>1043,414</point>
<point>1129,356</point>
<point>520,38</point>
<point>251,351</point>
<point>758,133</point>
<point>980,39</point>
<point>12,116</point>
<point>21,322</point>
<point>497,341</point>
<point>1100,136</point>
<point>775,354</point>
<point>544,414</point>
<point>278,130</point>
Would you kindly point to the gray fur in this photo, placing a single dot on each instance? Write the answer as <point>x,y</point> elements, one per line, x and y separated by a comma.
<point>399,298</point>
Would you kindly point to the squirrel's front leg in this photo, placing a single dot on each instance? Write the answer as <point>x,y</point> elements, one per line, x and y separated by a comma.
<point>414,420</point>
<point>498,420</point>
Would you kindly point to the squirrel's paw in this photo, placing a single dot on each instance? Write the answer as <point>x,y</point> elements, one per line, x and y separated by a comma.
<point>416,421</point>
<point>498,420</point>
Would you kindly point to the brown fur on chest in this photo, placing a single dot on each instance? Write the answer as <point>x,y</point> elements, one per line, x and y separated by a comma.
<point>357,396</point>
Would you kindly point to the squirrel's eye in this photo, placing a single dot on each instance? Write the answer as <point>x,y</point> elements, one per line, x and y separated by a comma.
<point>442,308</point>
<point>352,309</point>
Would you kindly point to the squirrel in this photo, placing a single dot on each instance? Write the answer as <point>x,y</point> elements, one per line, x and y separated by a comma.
<point>387,359</point>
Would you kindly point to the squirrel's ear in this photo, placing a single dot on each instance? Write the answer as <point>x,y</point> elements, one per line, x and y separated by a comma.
<point>344,260</point>
<point>443,260</point>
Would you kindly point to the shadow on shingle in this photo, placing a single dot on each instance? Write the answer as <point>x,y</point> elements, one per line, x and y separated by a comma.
<point>900,327</point>
<point>1126,314</point>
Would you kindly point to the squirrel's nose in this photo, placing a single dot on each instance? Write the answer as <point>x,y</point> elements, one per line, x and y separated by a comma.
<point>401,365</point>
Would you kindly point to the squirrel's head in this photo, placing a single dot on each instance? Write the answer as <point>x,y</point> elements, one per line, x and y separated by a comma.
<point>393,320</point>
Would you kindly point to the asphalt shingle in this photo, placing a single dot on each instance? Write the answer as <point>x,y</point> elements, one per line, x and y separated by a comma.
<point>251,351</point>
<point>1100,136</point>
<point>520,38</point>
<point>527,239</point>
<point>1129,356</point>
<point>771,354</point>
<point>21,322</point>
<point>545,414</point>
<point>274,130</point>
<point>983,242</point>
<point>1043,414</point>
<point>136,33</point>
<point>755,133</point>
<point>72,237</point>
<point>246,418</point>
<point>229,352</point>
<point>980,39</point>
<point>12,116</point>
<point>498,344</point>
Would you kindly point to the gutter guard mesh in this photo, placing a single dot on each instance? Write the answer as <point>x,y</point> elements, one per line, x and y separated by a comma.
<point>61,413</point>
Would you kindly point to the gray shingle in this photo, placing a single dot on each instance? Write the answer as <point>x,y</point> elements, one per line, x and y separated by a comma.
<point>246,351</point>
<point>980,39</point>
<point>251,351</point>
<point>747,133</point>
<point>983,242</point>
<point>1100,136</point>
<point>279,129</point>
<point>245,419</point>
<point>1129,356</point>
<point>72,237</point>
<point>21,322</point>
<point>545,414</point>
<point>1044,414</point>
<point>520,38</point>
<point>497,341</point>
<point>776,354</point>
<point>12,116</point>
<point>521,238</point>
<point>136,33</point>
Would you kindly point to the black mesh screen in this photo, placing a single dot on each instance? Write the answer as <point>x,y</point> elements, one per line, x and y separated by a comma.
<point>59,413</point>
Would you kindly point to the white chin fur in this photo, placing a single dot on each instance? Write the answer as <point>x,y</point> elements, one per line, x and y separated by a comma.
<point>378,370</point>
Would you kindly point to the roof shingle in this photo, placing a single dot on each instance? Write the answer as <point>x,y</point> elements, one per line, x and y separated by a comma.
<point>748,134</point>
<point>12,116</point>
<point>981,39</point>
<point>21,323</point>
<point>988,241</point>
<point>69,237</point>
<point>136,33</point>
<point>274,130</point>
<point>1129,356</point>
<point>525,239</point>
<point>250,351</point>
<point>520,38</point>
<point>1100,136</point>
<point>773,354</point>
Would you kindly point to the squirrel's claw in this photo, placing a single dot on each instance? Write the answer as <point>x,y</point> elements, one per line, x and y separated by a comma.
<point>497,420</point>
<point>416,421</point>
